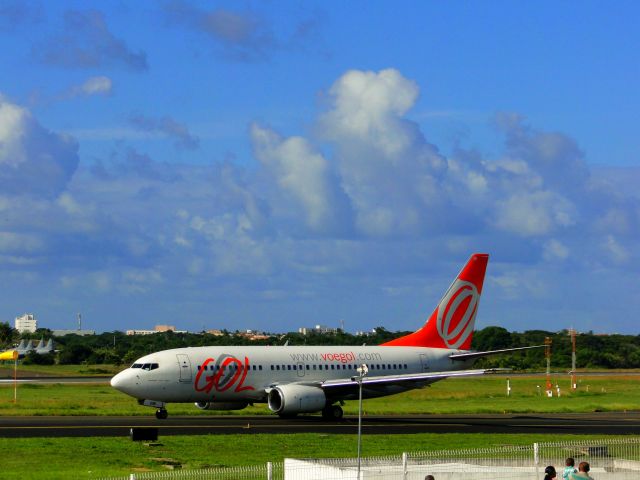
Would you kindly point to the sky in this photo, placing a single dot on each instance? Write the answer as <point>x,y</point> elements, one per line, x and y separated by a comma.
<point>276,164</point>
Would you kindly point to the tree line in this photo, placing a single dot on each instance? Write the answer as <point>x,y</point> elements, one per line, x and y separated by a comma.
<point>592,351</point>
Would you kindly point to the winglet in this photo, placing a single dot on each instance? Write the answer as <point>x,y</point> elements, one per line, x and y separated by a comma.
<point>451,323</point>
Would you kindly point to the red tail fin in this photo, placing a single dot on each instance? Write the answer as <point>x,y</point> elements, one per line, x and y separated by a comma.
<point>451,324</point>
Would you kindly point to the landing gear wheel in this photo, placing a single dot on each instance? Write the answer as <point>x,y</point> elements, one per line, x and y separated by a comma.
<point>332,412</point>
<point>162,414</point>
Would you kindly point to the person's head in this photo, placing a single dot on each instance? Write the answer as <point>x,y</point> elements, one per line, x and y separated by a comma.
<point>429,477</point>
<point>549,472</point>
<point>584,467</point>
<point>569,462</point>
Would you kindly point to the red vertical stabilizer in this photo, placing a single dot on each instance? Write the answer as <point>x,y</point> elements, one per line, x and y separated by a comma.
<point>452,322</point>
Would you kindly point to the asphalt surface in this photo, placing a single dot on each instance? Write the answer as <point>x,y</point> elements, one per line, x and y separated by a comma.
<point>592,423</point>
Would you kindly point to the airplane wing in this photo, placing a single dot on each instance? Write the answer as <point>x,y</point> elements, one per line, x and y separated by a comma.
<point>425,377</point>
<point>474,355</point>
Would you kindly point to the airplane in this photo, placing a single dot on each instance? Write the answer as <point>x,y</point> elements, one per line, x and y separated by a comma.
<point>308,379</point>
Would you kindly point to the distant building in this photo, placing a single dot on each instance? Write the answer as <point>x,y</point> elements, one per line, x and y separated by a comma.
<point>26,323</point>
<point>165,328</point>
<point>157,329</point>
<point>319,329</point>
<point>215,332</point>
<point>253,336</point>
<point>361,333</point>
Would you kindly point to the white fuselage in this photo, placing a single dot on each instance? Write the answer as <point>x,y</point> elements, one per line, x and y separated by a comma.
<point>247,373</point>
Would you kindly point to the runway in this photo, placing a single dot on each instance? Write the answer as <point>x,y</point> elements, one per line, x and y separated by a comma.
<point>591,423</point>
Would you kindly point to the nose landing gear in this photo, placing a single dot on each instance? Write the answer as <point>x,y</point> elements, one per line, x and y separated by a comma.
<point>162,414</point>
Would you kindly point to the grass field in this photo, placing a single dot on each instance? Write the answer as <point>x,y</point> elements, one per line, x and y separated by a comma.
<point>471,395</point>
<point>80,458</point>
<point>94,457</point>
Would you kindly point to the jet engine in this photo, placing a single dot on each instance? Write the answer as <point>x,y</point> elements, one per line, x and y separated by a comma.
<point>293,399</point>
<point>221,405</point>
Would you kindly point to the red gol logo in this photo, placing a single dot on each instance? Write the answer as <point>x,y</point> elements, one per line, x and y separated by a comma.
<point>457,313</point>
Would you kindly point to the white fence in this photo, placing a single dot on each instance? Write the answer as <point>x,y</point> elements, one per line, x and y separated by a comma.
<point>610,459</point>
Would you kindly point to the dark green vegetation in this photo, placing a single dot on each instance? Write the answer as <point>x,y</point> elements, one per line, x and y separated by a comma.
<point>470,395</point>
<point>63,458</point>
<point>593,351</point>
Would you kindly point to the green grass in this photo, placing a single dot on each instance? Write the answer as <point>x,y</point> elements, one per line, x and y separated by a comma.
<point>80,458</point>
<point>6,370</point>
<point>27,458</point>
<point>471,395</point>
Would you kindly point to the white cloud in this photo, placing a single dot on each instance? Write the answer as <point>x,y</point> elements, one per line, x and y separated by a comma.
<point>33,160</point>
<point>534,214</point>
<point>385,166</point>
<point>95,86</point>
<point>302,173</point>
<point>615,251</point>
<point>554,249</point>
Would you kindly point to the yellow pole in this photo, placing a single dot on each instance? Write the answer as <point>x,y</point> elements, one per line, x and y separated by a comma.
<point>15,376</point>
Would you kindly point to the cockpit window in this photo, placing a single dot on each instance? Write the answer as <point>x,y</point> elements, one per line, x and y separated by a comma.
<point>146,366</point>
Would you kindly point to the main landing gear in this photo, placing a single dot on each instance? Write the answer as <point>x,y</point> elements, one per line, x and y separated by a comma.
<point>162,414</point>
<point>332,412</point>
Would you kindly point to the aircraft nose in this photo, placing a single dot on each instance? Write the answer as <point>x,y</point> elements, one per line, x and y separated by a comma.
<point>117,380</point>
<point>124,382</point>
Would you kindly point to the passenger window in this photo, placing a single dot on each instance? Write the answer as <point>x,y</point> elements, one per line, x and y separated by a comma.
<point>277,367</point>
<point>259,367</point>
<point>307,367</point>
<point>271,367</point>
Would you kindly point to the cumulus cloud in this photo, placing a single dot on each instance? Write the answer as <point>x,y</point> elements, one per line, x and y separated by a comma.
<point>387,168</point>
<point>33,160</point>
<point>303,174</point>
<point>362,199</point>
<point>169,127</point>
<point>87,42</point>
<point>534,213</point>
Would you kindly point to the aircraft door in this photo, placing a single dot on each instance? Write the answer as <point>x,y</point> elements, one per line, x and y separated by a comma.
<point>424,363</point>
<point>301,368</point>
<point>184,363</point>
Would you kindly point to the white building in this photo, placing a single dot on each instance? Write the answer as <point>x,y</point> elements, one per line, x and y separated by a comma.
<point>320,329</point>
<point>26,323</point>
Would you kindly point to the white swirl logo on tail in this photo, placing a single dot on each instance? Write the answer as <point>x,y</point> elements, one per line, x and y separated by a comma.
<point>455,335</point>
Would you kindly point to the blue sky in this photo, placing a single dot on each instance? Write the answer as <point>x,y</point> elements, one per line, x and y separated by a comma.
<point>270,165</point>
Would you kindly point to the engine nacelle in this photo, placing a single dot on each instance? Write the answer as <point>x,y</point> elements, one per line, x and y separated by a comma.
<point>292,399</point>
<point>221,405</point>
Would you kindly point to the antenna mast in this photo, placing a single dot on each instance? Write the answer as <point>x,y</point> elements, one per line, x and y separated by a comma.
<point>547,354</point>
<point>572,332</point>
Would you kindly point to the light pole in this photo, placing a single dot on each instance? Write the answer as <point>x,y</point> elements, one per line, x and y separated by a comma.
<point>362,372</point>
